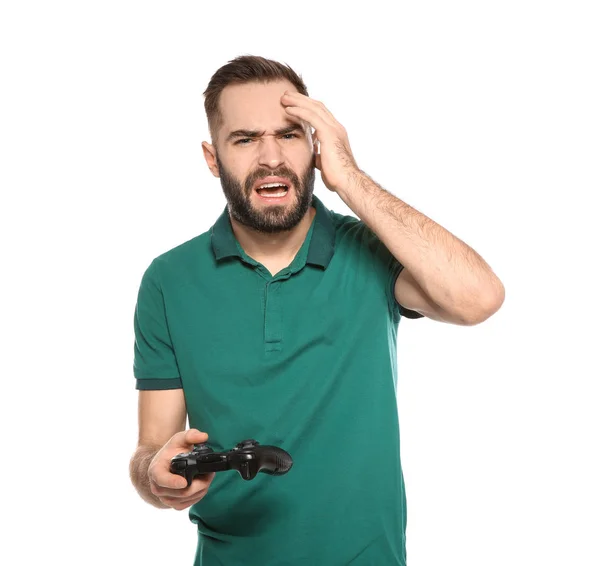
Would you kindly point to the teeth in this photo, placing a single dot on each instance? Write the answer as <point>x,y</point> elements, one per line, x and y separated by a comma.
<point>274,195</point>
<point>270,185</point>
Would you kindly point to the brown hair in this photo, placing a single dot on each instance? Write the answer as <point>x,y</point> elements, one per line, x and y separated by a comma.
<point>244,69</point>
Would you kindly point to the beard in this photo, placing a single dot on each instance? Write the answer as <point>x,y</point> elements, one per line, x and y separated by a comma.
<point>272,218</point>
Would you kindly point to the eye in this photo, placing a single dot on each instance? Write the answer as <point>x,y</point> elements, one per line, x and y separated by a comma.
<point>241,142</point>
<point>290,136</point>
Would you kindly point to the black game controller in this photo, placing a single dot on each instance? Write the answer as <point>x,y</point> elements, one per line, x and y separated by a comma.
<point>248,457</point>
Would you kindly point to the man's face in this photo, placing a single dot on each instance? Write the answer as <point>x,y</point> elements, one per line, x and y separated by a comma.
<point>257,140</point>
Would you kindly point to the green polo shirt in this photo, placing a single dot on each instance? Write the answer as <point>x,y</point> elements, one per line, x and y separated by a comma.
<point>304,360</point>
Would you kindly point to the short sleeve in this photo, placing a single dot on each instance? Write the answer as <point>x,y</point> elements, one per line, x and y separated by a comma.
<point>391,268</point>
<point>154,362</point>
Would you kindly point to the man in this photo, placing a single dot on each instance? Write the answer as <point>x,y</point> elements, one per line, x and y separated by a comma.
<point>279,324</point>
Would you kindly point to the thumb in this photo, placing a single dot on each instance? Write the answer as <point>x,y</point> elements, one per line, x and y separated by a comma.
<point>195,436</point>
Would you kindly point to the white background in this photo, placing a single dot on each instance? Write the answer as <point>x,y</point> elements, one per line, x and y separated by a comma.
<point>484,116</point>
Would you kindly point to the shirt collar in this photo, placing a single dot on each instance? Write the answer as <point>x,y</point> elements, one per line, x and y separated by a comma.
<point>322,243</point>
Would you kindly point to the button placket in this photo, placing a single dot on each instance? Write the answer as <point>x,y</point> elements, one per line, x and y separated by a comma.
<point>273,316</point>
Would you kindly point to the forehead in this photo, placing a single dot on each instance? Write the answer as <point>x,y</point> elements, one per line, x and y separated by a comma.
<point>255,105</point>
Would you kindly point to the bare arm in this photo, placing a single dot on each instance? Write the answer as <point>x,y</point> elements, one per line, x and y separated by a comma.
<point>161,414</point>
<point>443,278</point>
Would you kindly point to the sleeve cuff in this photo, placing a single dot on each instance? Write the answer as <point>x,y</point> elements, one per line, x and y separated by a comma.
<point>157,384</point>
<point>407,313</point>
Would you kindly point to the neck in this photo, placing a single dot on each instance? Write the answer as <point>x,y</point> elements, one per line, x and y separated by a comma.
<point>282,245</point>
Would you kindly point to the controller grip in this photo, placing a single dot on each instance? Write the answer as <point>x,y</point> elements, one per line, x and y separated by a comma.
<point>273,461</point>
<point>189,475</point>
<point>182,466</point>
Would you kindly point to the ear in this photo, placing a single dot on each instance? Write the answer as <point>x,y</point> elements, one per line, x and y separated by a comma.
<point>210,156</point>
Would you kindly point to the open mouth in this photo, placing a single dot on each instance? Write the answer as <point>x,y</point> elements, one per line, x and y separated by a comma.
<point>272,190</point>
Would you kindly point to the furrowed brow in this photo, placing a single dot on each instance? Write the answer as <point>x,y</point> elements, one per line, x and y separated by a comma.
<point>289,130</point>
<point>244,134</point>
<point>255,133</point>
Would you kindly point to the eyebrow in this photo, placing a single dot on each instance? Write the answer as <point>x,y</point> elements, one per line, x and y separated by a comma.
<point>257,133</point>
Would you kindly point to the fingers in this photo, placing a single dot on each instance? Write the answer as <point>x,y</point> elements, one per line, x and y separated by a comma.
<point>165,481</point>
<point>179,504</point>
<point>182,498</point>
<point>160,475</point>
<point>307,115</point>
<point>172,487</point>
<point>297,99</point>
<point>188,496</point>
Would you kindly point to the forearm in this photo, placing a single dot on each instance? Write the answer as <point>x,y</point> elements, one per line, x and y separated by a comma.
<point>138,472</point>
<point>451,273</point>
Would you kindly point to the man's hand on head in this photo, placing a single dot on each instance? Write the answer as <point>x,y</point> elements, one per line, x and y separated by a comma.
<point>333,156</point>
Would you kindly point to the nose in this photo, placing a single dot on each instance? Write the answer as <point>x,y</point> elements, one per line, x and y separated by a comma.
<point>270,152</point>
